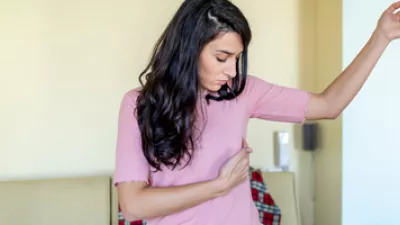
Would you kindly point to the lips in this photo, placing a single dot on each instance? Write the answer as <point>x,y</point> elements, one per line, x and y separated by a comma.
<point>222,82</point>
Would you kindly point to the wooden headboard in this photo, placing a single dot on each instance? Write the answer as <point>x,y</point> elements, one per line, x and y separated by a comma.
<point>93,200</point>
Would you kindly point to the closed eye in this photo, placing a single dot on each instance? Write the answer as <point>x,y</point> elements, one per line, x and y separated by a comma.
<point>221,60</point>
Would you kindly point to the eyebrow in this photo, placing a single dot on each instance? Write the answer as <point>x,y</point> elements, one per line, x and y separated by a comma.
<point>226,52</point>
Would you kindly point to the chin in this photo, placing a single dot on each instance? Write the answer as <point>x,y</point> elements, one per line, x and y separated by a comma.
<point>214,88</point>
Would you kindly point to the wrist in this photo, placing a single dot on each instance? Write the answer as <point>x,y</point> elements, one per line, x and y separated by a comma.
<point>380,38</point>
<point>218,187</point>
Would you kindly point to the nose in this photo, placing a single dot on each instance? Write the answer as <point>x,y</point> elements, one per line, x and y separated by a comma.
<point>230,70</point>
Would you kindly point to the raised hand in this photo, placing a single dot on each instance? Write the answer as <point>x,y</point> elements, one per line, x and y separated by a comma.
<point>389,22</point>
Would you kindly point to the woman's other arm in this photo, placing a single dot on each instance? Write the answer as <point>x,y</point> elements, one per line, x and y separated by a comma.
<point>139,201</point>
<point>330,103</point>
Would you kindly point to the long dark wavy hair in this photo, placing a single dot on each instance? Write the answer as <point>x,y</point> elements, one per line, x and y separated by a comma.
<point>166,105</point>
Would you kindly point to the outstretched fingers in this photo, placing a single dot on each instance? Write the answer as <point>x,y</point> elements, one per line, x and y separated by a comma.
<point>393,7</point>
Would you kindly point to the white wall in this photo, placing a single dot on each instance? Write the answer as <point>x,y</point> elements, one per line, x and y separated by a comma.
<point>371,152</point>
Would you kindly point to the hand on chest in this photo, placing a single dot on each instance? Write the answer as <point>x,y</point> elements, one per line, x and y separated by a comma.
<point>223,130</point>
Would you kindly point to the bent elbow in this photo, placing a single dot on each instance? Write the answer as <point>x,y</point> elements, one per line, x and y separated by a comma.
<point>131,212</point>
<point>130,201</point>
<point>333,115</point>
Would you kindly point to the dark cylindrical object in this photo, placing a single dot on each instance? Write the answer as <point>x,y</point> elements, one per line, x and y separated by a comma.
<point>310,136</point>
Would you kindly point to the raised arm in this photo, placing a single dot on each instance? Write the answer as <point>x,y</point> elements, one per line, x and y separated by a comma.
<point>334,99</point>
<point>140,201</point>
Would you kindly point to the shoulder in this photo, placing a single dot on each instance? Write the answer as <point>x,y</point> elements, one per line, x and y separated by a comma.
<point>258,86</point>
<point>255,84</point>
<point>252,80</point>
<point>258,90</point>
<point>133,93</point>
<point>130,97</point>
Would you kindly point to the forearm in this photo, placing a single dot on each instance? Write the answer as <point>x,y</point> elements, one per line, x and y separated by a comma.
<point>343,89</point>
<point>153,202</point>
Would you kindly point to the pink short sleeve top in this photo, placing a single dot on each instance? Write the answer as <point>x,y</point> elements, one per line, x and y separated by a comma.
<point>221,138</point>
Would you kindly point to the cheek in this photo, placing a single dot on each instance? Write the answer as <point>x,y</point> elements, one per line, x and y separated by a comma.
<point>210,69</point>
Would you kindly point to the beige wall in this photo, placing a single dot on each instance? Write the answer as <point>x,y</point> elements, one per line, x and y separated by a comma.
<point>328,159</point>
<point>66,64</point>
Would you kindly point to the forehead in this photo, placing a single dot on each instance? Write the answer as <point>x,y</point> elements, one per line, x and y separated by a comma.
<point>230,42</point>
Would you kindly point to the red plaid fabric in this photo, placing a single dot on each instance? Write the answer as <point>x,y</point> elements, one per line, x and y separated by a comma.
<point>132,223</point>
<point>122,221</point>
<point>269,212</point>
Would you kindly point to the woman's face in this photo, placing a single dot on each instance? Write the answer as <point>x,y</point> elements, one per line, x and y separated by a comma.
<point>217,64</point>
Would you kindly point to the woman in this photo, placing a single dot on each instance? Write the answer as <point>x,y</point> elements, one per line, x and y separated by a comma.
<point>184,127</point>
